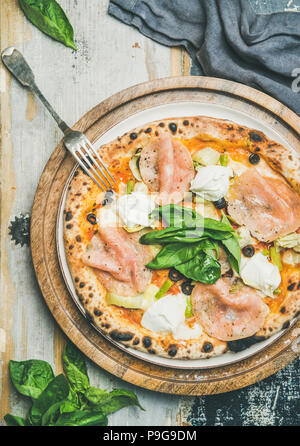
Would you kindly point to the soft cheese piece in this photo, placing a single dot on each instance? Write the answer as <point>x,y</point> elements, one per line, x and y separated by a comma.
<point>211,182</point>
<point>134,209</point>
<point>228,315</point>
<point>268,207</point>
<point>261,274</point>
<point>166,167</point>
<point>166,314</point>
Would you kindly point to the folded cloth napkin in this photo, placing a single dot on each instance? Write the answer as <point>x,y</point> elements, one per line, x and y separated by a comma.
<point>226,38</point>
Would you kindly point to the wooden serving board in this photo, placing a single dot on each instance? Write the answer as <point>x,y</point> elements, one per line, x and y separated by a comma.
<point>43,243</point>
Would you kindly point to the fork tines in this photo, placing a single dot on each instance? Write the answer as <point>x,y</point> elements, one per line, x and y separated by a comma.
<point>89,160</point>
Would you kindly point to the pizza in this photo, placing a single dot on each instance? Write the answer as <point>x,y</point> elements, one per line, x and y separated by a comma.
<point>196,249</point>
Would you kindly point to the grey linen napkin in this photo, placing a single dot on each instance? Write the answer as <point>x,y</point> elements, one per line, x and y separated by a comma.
<point>226,39</point>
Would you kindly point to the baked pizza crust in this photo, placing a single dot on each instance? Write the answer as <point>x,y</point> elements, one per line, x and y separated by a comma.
<point>119,324</point>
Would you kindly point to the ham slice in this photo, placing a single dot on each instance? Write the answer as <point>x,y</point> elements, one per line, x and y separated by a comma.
<point>166,166</point>
<point>119,260</point>
<point>268,207</point>
<point>228,316</point>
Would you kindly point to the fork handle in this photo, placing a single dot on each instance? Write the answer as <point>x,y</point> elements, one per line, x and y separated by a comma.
<point>19,68</point>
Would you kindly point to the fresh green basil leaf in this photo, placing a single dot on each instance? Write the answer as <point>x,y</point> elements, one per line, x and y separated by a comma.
<point>96,396</point>
<point>112,401</point>
<point>202,268</point>
<point>12,420</point>
<point>75,368</point>
<point>232,248</point>
<point>31,377</point>
<point>50,18</point>
<point>173,254</point>
<point>82,418</point>
<point>49,400</point>
<point>178,216</point>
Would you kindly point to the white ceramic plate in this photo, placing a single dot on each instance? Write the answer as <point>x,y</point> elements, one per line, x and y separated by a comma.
<point>172,110</point>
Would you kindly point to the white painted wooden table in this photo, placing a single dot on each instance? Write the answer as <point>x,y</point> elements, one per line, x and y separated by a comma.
<point>111,56</point>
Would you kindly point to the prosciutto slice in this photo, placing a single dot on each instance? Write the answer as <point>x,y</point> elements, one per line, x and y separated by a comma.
<point>228,315</point>
<point>119,260</point>
<point>268,207</point>
<point>166,166</point>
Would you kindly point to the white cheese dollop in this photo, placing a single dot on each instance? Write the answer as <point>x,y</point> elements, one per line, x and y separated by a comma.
<point>211,182</point>
<point>134,209</point>
<point>259,273</point>
<point>185,332</point>
<point>166,314</point>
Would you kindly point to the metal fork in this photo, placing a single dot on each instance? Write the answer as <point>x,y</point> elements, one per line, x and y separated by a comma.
<point>75,142</point>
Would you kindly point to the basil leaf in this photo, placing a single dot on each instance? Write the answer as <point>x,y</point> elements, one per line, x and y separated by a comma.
<point>179,216</point>
<point>12,420</point>
<point>49,401</point>
<point>50,18</point>
<point>174,254</point>
<point>112,401</point>
<point>232,248</point>
<point>82,418</point>
<point>31,377</point>
<point>202,268</point>
<point>75,367</point>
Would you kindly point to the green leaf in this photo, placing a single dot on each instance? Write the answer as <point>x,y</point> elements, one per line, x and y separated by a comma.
<point>82,418</point>
<point>75,367</point>
<point>202,268</point>
<point>173,254</point>
<point>31,377</point>
<point>49,401</point>
<point>12,420</point>
<point>232,248</point>
<point>178,216</point>
<point>112,401</point>
<point>50,18</point>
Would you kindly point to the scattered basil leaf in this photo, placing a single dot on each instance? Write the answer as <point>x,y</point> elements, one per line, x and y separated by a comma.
<point>82,418</point>
<point>173,254</point>
<point>12,420</point>
<point>49,401</point>
<point>49,17</point>
<point>75,368</point>
<point>31,377</point>
<point>202,268</point>
<point>112,401</point>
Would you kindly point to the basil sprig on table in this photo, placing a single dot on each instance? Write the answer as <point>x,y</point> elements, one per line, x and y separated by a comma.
<point>64,400</point>
<point>191,243</point>
<point>49,17</point>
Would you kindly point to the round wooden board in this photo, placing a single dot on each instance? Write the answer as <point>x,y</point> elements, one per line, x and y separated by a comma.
<point>43,244</point>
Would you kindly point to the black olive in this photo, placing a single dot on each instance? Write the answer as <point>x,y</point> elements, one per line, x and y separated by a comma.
<point>220,204</point>
<point>187,288</point>
<point>133,135</point>
<point>148,130</point>
<point>92,218</point>
<point>185,122</point>
<point>175,275</point>
<point>254,158</point>
<point>173,127</point>
<point>248,251</point>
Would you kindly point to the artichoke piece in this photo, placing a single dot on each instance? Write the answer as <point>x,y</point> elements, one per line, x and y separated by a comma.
<point>134,165</point>
<point>139,302</point>
<point>206,157</point>
<point>289,241</point>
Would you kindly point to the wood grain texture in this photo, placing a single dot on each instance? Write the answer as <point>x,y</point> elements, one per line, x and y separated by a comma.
<point>43,246</point>
<point>74,83</point>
